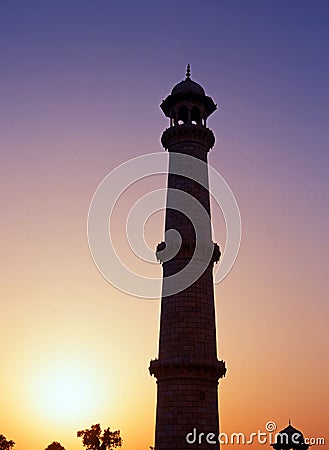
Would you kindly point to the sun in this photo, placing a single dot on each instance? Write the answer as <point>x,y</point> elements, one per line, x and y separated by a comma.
<point>65,392</point>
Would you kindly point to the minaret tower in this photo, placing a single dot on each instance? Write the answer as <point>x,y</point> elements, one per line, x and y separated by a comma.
<point>187,369</point>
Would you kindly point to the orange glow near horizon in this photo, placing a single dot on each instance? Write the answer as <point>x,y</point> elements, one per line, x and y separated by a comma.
<point>63,391</point>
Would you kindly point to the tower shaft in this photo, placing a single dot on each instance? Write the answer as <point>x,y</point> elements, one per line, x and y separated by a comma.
<point>187,368</point>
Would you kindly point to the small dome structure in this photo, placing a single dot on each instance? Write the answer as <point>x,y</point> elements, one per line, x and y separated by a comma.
<point>290,439</point>
<point>188,103</point>
<point>188,86</point>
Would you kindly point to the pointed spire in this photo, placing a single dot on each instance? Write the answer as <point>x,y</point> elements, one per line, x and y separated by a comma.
<point>289,422</point>
<point>188,71</point>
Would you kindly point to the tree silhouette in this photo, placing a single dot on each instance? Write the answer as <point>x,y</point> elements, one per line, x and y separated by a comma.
<point>55,446</point>
<point>4,444</point>
<point>93,439</point>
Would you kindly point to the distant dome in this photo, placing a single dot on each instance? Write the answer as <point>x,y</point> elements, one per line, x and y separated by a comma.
<point>188,86</point>
<point>290,437</point>
<point>290,430</point>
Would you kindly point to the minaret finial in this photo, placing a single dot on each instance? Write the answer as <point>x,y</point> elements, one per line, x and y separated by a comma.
<point>188,71</point>
<point>289,422</point>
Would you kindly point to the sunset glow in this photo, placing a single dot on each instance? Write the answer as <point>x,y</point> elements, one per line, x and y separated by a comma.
<point>81,85</point>
<point>66,393</point>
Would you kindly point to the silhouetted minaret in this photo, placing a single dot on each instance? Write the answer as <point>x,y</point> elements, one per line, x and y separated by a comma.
<point>187,369</point>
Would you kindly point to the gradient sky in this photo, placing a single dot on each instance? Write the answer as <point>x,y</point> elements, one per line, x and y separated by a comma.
<point>81,84</point>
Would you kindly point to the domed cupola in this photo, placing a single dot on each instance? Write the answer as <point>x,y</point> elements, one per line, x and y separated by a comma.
<point>188,86</point>
<point>290,439</point>
<point>188,103</point>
